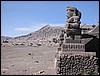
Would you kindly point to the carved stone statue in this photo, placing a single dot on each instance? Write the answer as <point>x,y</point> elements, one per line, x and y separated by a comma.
<point>73,21</point>
<point>73,15</point>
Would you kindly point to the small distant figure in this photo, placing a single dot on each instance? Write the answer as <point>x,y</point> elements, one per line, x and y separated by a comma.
<point>61,37</point>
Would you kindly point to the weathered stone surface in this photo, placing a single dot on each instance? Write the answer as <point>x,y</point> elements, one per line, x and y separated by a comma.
<point>76,64</point>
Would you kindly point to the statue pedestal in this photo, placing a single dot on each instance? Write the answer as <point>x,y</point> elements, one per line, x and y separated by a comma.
<point>72,41</point>
<point>73,31</point>
<point>77,39</point>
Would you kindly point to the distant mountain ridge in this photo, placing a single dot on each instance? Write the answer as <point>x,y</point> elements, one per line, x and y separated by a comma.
<point>5,38</point>
<point>43,33</point>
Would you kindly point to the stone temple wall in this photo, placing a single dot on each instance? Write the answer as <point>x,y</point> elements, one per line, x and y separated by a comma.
<point>76,63</point>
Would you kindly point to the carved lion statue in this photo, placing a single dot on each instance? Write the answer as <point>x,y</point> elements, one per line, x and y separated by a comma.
<point>73,17</point>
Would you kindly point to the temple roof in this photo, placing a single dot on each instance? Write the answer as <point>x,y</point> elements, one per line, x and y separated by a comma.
<point>94,31</point>
<point>87,26</point>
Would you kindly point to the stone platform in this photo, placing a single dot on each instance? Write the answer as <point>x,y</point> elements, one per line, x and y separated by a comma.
<point>72,41</point>
<point>77,39</point>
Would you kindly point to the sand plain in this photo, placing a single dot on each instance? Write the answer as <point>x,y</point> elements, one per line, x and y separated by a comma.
<point>28,60</point>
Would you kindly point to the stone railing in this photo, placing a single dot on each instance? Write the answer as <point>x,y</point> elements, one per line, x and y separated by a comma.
<point>73,47</point>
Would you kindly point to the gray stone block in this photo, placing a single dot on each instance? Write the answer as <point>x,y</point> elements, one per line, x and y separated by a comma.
<point>78,63</point>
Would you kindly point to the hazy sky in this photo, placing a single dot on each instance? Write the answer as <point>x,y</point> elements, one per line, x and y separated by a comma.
<point>23,17</point>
